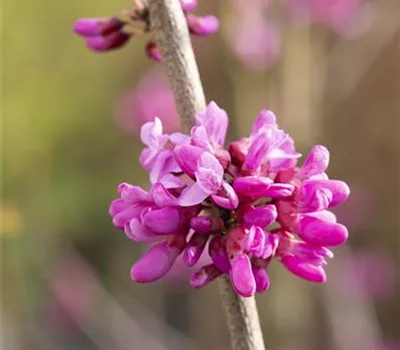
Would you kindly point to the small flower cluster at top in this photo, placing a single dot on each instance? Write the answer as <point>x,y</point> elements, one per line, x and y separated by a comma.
<point>106,34</point>
<point>247,206</point>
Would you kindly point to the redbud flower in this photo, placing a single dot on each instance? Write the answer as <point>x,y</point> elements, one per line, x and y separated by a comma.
<point>102,34</point>
<point>106,34</point>
<point>251,205</point>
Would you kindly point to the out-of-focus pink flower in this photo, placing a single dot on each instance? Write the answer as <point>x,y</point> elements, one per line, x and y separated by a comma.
<point>102,34</point>
<point>390,344</point>
<point>346,17</point>
<point>151,98</point>
<point>370,274</point>
<point>252,36</point>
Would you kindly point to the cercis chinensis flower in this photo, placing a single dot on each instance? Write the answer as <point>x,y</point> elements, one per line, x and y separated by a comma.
<point>246,206</point>
<point>110,33</point>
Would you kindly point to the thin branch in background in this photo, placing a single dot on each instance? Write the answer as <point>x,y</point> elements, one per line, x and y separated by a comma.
<point>112,323</point>
<point>353,321</point>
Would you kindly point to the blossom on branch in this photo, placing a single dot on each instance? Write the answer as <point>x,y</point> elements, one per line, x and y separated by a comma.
<point>110,33</point>
<point>250,205</point>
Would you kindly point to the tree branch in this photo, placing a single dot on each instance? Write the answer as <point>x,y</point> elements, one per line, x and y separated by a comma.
<point>172,36</point>
<point>242,316</point>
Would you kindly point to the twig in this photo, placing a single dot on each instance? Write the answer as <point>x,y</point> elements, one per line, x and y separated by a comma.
<point>172,36</point>
<point>243,321</point>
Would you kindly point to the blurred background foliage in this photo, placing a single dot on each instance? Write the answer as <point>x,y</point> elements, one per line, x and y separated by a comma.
<point>65,280</point>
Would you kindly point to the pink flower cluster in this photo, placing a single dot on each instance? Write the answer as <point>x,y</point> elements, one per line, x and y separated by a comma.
<point>106,34</point>
<point>251,203</point>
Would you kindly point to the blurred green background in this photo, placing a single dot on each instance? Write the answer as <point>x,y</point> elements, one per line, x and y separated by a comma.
<point>65,268</point>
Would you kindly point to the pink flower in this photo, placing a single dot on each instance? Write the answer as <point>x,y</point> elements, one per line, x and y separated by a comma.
<point>107,34</point>
<point>267,150</point>
<point>250,20</point>
<point>209,182</point>
<point>157,158</point>
<point>250,206</point>
<point>341,16</point>
<point>74,292</point>
<point>367,274</point>
<point>152,97</point>
<point>102,34</point>
<point>202,26</point>
<point>152,217</point>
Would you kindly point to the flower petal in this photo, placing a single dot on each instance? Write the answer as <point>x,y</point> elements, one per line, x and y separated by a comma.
<point>242,277</point>
<point>325,215</point>
<point>188,5</point>
<point>133,194</point>
<point>227,198</point>
<point>163,221</point>
<point>204,25</point>
<point>265,118</point>
<point>339,189</point>
<point>204,276</point>
<point>187,157</point>
<point>258,150</point>
<point>177,138</point>
<point>135,231</point>
<point>192,195</point>
<point>151,132</point>
<point>262,216</point>
<point>194,248</point>
<point>310,253</point>
<point>118,205</point>
<point>97,26</point>
<point>162,196</point>
<point>252,186</point>
<point>207,224</point>
<point>316,162</point>
<point>314,199</point>
<point>315,231</point>
<point>270,245</point>
<point>258,187</point>
<point>124,216</point>
<point>215,120</point>
<point>154,264</point>
<point>163,163</point>
<point>304,270</point>
<point>199,138</point>
<point>217,252</point>
<point>258,243</point>
<point>108,42</point>
<point>262,279</point>
<point>208,161</point>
